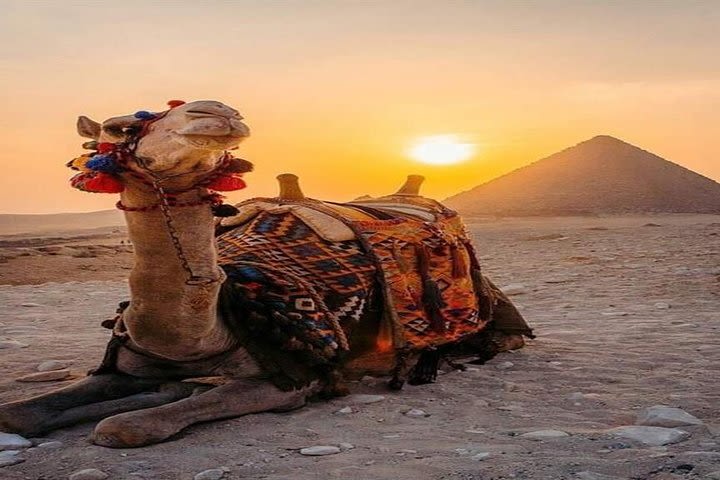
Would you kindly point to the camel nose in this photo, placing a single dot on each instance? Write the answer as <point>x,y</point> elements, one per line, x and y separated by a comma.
<point>206,108</point>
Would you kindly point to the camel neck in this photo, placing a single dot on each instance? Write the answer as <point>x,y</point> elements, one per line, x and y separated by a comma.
<point>169,316</point>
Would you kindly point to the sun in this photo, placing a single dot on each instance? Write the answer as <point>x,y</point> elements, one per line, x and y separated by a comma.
<point>441,150</point>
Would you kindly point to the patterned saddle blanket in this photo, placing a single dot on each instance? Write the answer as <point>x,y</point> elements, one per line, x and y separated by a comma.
<point>322,263</point>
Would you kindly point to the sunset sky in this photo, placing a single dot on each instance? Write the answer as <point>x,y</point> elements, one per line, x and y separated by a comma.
<point>337,91</point>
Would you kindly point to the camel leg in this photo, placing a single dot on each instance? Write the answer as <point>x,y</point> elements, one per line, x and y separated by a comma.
<point>38,414</point>
<point>153,425</point>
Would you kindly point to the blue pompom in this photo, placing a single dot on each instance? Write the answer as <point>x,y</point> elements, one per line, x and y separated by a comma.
<point>144,115</point>
<point>103,163</point>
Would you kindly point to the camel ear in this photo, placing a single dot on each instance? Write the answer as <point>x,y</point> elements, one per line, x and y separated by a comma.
<point>117,126</point>
<point>88,128</point>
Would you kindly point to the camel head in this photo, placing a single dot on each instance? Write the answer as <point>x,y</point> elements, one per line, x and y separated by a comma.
<point>181,145</point>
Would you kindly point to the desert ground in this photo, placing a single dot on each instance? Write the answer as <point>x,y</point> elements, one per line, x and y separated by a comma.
<point>627,316</point>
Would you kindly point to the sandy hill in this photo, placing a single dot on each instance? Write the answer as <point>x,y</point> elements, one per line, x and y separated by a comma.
<point>12,224</point>
<point>597,176</point>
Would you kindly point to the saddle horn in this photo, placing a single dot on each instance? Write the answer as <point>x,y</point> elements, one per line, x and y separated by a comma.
<point>412,185</point>
<point>290,187</point>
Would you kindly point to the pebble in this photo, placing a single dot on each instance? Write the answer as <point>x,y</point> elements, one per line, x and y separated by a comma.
<point>544,434</point>
<point>662,416</point>
<point>9,344</point>
<point>211,474</point>
<point>514,289</point>
<point>505,365</point>
<point>51,365</point>
<point>28,304</point>
<point>10,457</point>
<point>416,412</point>
<point>88,474</point>
<point>595,476</point>
<point>662,305</point>
<point>344,411</point>
<point>13,441</point>
<point>364,399</point>
<point>45,376</point>
<point>50,445</point>
<point>346,446</point>
<point>480,456</point>
<point>713,475</point>
<point>654,436</point>
<point>319,450</point>
<point>575,396</point>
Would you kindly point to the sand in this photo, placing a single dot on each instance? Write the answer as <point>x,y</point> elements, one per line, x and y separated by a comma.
<point>626,312</point>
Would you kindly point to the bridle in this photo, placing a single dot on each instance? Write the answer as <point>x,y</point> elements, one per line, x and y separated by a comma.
<point>124,154</point>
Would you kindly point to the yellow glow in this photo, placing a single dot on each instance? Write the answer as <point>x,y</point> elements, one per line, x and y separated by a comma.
<point>441,150</point>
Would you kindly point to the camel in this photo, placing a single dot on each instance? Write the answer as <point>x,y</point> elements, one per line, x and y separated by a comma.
<point>218,325</point>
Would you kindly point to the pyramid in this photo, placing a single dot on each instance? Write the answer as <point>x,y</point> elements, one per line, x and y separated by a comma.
<point>602,175</point>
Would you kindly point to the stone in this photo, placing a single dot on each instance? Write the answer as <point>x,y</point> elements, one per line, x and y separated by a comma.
<point>211,474</point>
<point>30,305</point>
<point>50,445</point>
<point>416,412</point>
<point>662,305</point>
<point>88,474</point>
<point>480,456</point>
<point>319,450</point>
<point>346,446</point>
<point>10,457</point>
<point>344,411</point>
<point>662,416</point>
<point>13,441</point>
<point>576,396</point>
<point>49,376</point>
<point>51,365</point>
<point>12,344</point>
<point>595,476</point>
<point>713,475</point>
<point>514,289</point>
<point>505,365</point>
<point>364,399</point>
<point>653,436</point>
<point>545,434</point>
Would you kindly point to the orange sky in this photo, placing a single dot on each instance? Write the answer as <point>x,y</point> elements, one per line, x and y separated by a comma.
<point>336,91</point>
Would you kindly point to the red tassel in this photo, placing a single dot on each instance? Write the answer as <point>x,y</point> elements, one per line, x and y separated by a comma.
<point>227,183</point>
<point>96,182</point>
<point>105,147</point>
<point>175,103</point>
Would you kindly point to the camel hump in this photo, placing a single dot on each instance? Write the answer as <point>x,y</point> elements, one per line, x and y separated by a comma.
<point>411,186</point>
<point>290,187</point>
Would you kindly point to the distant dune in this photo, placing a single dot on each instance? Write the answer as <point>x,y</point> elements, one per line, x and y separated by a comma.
<point>11,224</point>
<point>602,175</point>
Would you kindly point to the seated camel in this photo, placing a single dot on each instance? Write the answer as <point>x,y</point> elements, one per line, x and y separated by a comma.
<point>257,307</point>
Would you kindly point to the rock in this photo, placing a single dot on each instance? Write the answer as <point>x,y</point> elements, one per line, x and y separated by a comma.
<point>480,456</point>
<point>662,305</point>
<point>211,474</point>
<point>13,441</point>
<point>654,436</point>
<point>576,396</point>
<point>51,365</point>
<point>416,412</point>
<point>505,365</point>
<point>88,474</point>
<point>50,445</point>
<point>595,476</point>
<point>45,376</point>
<point>662,416</point>
<point>30,305</point>
<point>545,434</point>
<point>10,457</point>
<point>346,446</point>
<point>368,380</point>
<point>615,314</point>
<point>514,289</point>
<point>319,450</point>
<point>364,399</point>
<point>713,475</point>
<point>11,344</point>
<point>344,411</point>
